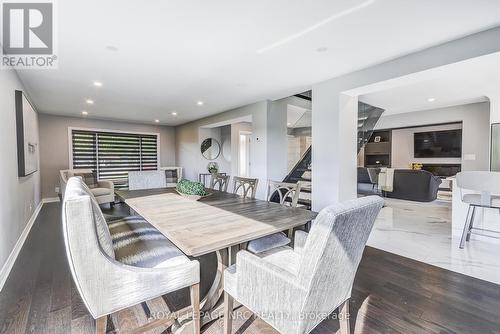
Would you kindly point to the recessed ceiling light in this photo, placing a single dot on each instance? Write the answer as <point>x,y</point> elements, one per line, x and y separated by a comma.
<point>288,124</point>
<point>84,113</point>
<point>200,103</point>
<point>317,25</point>
<point>157,121</point>
<point>111,48</point>
<point>174,113</point>
<point>89,101</point>
<point>322,49</point>
<point>97,83</point>
<point>431,99</point>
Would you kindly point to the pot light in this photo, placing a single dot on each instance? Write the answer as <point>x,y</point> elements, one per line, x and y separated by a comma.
<point>200,103</point>
<point>289,124</point>
<point>173,113</point>
<point>322,49</point>
<point>97,83</point>
<point>316,26</point>
<point>84,113</point>
<point>431,99</point>
<point>89,101</point>
<point>157,121</point>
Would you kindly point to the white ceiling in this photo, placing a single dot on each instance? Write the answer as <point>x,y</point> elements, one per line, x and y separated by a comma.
<point>229,53</point>
<point>470,81</point>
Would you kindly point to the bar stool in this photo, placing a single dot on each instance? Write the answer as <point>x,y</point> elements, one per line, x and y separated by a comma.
<point>487,188</point>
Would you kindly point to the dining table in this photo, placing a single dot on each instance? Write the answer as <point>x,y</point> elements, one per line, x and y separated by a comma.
<point>221,223</point>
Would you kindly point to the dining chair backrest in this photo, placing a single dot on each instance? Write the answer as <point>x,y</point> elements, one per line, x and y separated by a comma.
<point>247,186</point>
<point>333,250</point>
<point>282,191</point>
<point>151,179</point>
<point>480,181</point>
<point>220,181</point>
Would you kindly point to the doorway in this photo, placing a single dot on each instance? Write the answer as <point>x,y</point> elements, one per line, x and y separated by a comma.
<point>244,164</point>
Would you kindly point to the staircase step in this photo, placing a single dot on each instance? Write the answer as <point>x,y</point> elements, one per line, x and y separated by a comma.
<point>305,190</point>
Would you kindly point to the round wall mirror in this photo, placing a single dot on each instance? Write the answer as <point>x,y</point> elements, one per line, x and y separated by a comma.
<point>210,149</point>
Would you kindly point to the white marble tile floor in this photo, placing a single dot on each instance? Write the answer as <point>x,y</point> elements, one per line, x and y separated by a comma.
<point>422,231</point>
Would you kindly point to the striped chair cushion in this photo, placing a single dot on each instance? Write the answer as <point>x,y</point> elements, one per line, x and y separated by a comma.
<point>138,243</point>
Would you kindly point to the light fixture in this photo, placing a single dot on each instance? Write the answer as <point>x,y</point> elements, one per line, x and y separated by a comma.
<point>431,99</point>
<point>173,113</point>
<point>89,101</point>
<point>97,83</point>
<point>289,124</point>
<point>111,48</point>
<point>322,49</point>
<point>200,103</point>
<point>84,113</point>
<point>157,121</point>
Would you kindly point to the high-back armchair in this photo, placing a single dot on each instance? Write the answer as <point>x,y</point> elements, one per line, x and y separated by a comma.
<point>105,284</point>
<point>295,289</point>
<point>104,191</point>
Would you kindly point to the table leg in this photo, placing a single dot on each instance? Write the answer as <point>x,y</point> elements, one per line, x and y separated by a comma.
<point>211,306</point>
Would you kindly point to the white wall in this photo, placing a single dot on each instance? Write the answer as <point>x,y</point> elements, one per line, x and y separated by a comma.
<point>219,134</point>
<point>334,126</point>
<point>475,134</point>
<point>188,141</point>
<point>18,196</point>
<point>236,128</point>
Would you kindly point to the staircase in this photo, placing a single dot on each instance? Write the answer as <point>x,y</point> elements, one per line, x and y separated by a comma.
<point>368,117</point>
<point>300,172</point>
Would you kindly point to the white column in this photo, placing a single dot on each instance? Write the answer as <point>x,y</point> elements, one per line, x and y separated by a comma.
<point>334,126</point>
<point>277,144</point>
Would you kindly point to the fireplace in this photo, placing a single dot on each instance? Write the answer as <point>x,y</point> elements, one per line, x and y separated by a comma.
<point>442,170</point>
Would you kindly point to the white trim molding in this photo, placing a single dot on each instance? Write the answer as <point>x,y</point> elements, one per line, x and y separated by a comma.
<point>7,267</point>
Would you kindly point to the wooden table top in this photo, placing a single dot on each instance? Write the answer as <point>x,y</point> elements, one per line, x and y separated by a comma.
<point>215,222</point>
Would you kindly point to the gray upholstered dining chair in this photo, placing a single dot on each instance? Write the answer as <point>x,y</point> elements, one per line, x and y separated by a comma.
<point>247,186</point>
<point>150,179</point>
<point>293,290</point>
<point>220,181</point>
<point>284,192</point>
<point>108,285</point>
<point>486,186</point>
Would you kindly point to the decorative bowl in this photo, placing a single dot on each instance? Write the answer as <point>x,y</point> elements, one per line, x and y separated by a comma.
<point>193,197</point>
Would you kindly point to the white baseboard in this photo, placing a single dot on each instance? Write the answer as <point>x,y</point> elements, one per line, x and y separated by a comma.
<point>7,267</point>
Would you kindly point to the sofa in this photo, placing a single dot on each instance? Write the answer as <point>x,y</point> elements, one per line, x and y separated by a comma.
<point>104,192</point>
<point>367,181</point>
<point>414,185</point>
<point>411,185</point>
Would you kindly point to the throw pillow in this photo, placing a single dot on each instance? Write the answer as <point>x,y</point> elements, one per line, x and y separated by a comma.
<point>171,175</point>
<point>90,179</point>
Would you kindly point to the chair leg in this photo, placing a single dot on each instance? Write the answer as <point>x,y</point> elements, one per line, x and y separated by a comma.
<point>228,313</point>
<point>345,326</point>
<point>195,302</point>
<point>100,325</point>
<point>471,225</point>
<point>466,229</point>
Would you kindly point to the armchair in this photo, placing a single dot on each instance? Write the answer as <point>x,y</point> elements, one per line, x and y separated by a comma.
<point>103,193</point>
<point>295,289</point>
<point>105,284</point>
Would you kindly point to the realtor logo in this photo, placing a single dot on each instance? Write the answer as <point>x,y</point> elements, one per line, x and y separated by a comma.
<point>28,35</point>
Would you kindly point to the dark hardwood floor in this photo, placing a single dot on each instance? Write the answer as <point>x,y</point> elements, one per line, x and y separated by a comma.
<point>391,294</point>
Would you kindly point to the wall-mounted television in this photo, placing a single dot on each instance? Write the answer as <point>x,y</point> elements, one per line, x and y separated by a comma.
<point>438,144</point>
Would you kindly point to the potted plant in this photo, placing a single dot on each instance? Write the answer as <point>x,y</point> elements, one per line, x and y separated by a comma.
<point>213,168</point>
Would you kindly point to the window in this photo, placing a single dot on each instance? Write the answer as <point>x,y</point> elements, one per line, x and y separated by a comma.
<point>112,155</point>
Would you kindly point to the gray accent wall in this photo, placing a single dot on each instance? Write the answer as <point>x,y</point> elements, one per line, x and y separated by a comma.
<point>475,126</point>
<point>19,197</point>
<point>54,142</point>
